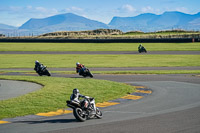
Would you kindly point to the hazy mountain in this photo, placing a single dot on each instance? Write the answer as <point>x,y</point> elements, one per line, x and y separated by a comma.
<point>4,26</point>
<point>62,22</point>
<point>146,22</point>
<point>153,22</point>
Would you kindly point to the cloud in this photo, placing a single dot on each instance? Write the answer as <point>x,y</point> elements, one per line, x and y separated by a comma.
<point>29,7</point>
<point>182,9</point>
<point>147,9</point>
<point>124,10</point>
<point>41,9</point>
<point>128,8</point>
<point>15,8</point>
<point>179,9</point>
<point>76,9</point>
<point>73,9</point>
<point>28,11</point>
<point>15,15</point>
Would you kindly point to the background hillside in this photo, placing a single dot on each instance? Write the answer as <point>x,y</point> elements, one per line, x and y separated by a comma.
<point>151,22</point>
<point>147,22</point>
<point>63,22</point>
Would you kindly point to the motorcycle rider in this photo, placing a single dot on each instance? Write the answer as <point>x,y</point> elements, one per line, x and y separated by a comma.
<point>38,66</point>
<point>140,46</point>
<point>76,95</point>
<point>141,49</point>
<point>79,68</point>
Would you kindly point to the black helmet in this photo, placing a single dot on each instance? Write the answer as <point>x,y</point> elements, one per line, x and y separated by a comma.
<point>75,91</point>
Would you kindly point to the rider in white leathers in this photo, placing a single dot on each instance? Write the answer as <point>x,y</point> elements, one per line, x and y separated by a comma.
<point>76,95</point>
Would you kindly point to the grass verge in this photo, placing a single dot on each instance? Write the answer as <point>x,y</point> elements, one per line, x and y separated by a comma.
<point>98,46</point>
<point>117,72</point>
<point>56,91</point>
<point>62,61</point>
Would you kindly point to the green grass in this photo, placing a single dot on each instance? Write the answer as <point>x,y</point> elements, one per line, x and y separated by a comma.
<point>56,91</point>
<point>117,72</point>
<point>98,46</point>
<point>61,61</point>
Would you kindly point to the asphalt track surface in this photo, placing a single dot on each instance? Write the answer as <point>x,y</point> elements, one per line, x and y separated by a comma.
<point>173,107</point>
<point>20,88</point>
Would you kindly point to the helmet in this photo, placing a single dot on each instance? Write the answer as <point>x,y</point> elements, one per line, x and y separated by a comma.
<point>75,91</point>
<point>77,63</point>
<point>36,61</point>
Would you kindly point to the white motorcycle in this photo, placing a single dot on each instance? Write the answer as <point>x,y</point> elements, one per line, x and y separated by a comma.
<point>84,109</point>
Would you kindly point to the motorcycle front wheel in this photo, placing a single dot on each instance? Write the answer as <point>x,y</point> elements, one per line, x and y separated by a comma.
<point>47,73</point>
<point>90,74</point>
<point>79,115</point>
<point>99,114</point>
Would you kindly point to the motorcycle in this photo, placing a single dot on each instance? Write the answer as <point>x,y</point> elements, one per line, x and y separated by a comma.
<point>42,70</point>
<point>84,109</point>
<point>85,72</point>
<point>142,49</point>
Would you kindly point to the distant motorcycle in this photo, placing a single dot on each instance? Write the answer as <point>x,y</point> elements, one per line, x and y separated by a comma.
<point>141,49</point>
<point>85,72</point>
<point>42,70</point>
<point>84,110</point>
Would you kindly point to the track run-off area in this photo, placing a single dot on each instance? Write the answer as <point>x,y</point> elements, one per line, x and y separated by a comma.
<point>172,106</point>
<point>101,52</point>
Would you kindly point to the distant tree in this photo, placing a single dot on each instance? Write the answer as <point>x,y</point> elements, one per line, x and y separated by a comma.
<point>2,35</point>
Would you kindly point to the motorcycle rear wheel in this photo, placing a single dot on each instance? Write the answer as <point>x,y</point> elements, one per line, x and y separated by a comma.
<point>78,113</point>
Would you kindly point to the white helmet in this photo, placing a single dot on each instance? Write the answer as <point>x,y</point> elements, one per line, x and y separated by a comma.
<point>75,91</point>
<point>36,61</point>
<point>77,63</point>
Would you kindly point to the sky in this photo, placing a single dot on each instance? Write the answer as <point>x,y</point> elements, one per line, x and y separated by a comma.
<point>17,12</point>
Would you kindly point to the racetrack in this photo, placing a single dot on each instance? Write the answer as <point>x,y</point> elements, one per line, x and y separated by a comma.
<point>10,88</point>
<point>173,107</point>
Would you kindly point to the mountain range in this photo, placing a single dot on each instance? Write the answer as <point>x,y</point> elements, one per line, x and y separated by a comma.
<point>146,22</point>
<point>152,22</point>
<point>63,22</point>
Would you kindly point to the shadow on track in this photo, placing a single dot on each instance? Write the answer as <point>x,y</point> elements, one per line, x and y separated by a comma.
<point>51,121</point>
